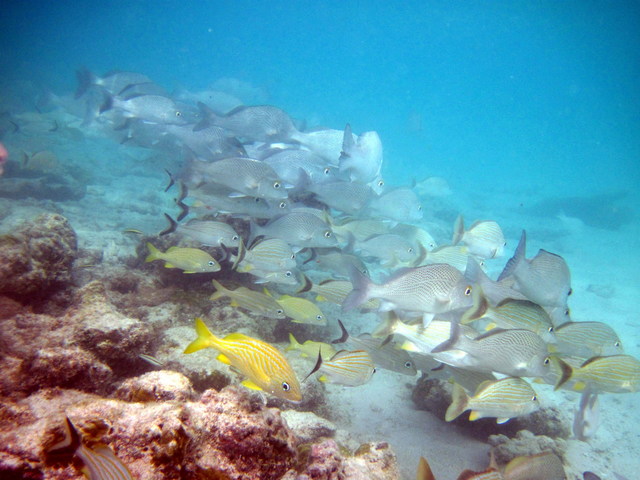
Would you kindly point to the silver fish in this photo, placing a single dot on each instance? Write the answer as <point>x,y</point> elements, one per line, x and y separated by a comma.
<point>350,368</point>
<point>390,250</point>
<point>399,204</point>
<point>207,232</point>
<point>298,229</point>
<point>271,255</point>
<point>430,289</point>
<point>244,176</point>
<point>484,238</point>
<point>150,108</point>
<point>326,143</point>
<point>347,197</point>
<point>301,168</point>
<point>587,339</point>
<point>361,159</point>
<point>113,82</point>
<point>545,279</point>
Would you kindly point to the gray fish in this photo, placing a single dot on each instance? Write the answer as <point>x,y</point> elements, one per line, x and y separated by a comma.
<point>217,200</point>
<point>270,255</point>
<point>298,229</point>
<point>400,204</point>
<point>362,158</point>
<point>245,176</point>
<point>301,168</point>
<point>209,144</point>
<point>545,279</point>
<point>484,238</point>
<point>390,250</point>
<point>386,356</point>
<point>113,82</point>
<point>336,263</point>
<point>207,232</point>
<point>261,123</point>
<point>326,143</point>
<point>587,418</point>
<point>515,352</point>
<point>430,289</point>
<point>587,339</point>
<point>347,197</point>
<point>150,108</point>
<point>496,292</point>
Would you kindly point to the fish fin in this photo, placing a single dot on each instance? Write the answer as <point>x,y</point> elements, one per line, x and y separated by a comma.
<point>223,358</point>
<point>173,225</point>
<point>250,384</point>
<point>154,253</point>
<point>459,403</point>
<point>169,265</point>
<point>424,470</point>
<point>320,298</point>
<point>502,420</point>
<point>234,303</point>
<point>479,307</point>
<point>427,318</point>
<point>409,347</point>
<point>579,386</point>
<point>345,334</point>
<point>387,326</point>
<point>458,230</point>
<point>293,343</point>
<point>474,415</point>
<point>189,271</point>
<point>306,286</point>
<point>323,378</point>
<point>566,371</point>
<point>451,342</point>
<point>347,142</point>
<point>220,292</point>
<point>317,365</point>
<point>204,340</point>
<point>236,336</point>
<point>518,256</point>
<point>360,293</point>
<point>242,251</point>
<point>237,195</point>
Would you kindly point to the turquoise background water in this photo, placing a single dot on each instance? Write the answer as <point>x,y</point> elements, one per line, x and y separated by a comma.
<point>541,95</point>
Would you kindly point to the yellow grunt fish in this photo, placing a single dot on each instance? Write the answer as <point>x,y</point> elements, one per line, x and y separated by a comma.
<point>251,300</point>
<point>189,260</point>
<point>350,368</point>
<point>613,374</point>
<point>301,310</point>
<point>266,368</point>
<point>310,348</point>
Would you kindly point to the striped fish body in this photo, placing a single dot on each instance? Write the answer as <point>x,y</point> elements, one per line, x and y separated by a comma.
<point>310,348</point>
<point>263,365</point>
<point>523,314</point>
<point>335,291</point>
<point>587,339</point>
<point>350,368</point>
<point>301,310</point>
<point>347,197</point>
<point>504,399</point>
<point>454,255</point>
<point>189,260</point>
<point>613,374</point>
<point>102,464</point>
<point>429,289</point>
<point>299,229</point>
<point>485,239</point>
<point>387,356</point>
<point>543,466</point>
<point>389,250</point>
<point>210,233</point>
<point>255,302</point>
<point>488,474</point>
<point>271,254</point>
<point>360,229</point>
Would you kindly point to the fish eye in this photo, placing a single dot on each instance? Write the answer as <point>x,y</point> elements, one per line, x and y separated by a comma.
<point>432,245</point>
<point>408,364</point>
<point>534,398</point>
<point>547,361</point>
<point>178,113</point>
<point>467,291</point>
<point>616,344</point>
<point>279,311</point>
<point>550,330</point>
<point>419,208</point>
<point>327,234</point>
<point>365,271</point>
<point>276,185</point>
<point>235,237</point>
<point>288,273</point>
<point>256,199</point>
<point>381,183</point>
<point>567,312</point>
<point>570,292</point>
<point>285,386</point>
<point>327,171</point>
<point>374,370</point>
<point>318,317</point>
<point>282,205</point>
<point>293,256</point>
<point>211,263</point>
<point>410,250</point>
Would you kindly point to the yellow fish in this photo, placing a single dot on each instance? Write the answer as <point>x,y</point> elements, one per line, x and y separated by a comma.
<point>301,310</point>
<point>266,368</point>
<point>190,260</point>
<point>351,368</point>
<point>310,348</point>
<point>612,374</point>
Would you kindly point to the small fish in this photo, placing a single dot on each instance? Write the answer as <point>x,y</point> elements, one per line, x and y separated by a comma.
<point>511,313</point>
<point>255,302</point>
<point>284,277</point>
<point>587,418</point>
<point>543,466</point>
<point>190,260</point>
<point>545,279</point>
<point>310,348</point>
<point>399,204</point>
<point>455,255</point>
<point>587,339</point>
<point>263,365</point>
<point>336,263</point>
<point>345,368</point>
<point>504,399</point>
<point>133,231</point>
<point>114,82</point>
<point>207,232</point>
<point>301,310</point>
<point>514,352</point>
<point>347,197</point>
<point>415,235</point>
<point>301,168</point>
<point>390,250</point>
<point>151,360</point>
<point>386,356</point>
<point>298,229</point>
<point>432,187</point>
<point>244,176</point>
<point>359,229</point>
<point>361,159</point>
<point>335,291</point>
<point>484,238</point>
<point>147,108</point>
<point>429,289</point>
<point>100,463</point>
<point>612,374</point>
<point>271,254</point>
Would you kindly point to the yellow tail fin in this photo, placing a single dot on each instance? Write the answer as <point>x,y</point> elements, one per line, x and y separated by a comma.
<point>154,253</point>
<point>204,339</point>
<point>458,403</point>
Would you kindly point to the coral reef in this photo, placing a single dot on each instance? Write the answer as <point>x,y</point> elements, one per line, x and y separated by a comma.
<point>506,449</point>
<point>36,258</point>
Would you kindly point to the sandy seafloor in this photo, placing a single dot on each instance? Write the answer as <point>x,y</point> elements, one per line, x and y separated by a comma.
<point>125,190</point>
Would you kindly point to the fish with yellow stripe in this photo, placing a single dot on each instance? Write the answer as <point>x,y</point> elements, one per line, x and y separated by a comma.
<point>189,260</point>
<point>248,299</point>
<point>504,399</point>
<point>612,374</point>
<point>309,348</point>
<point>263,365</point>
<point>587,339</point>
<point>350,368</point>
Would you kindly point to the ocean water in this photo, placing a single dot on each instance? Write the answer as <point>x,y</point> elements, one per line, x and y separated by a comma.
<point>529,110</point>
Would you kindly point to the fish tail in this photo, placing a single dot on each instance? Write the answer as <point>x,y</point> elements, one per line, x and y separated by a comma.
<point>254,232</point>
<point>220,291</point>
<point>566,371</point>
<point>154,253</point>
<point>424,470</point>
<point>360,292</point>
<point>449,344</point>
<point>204,340</point>
<point>85,79</point>
<point>345,334</point>
<point>459,403</point>
<point>518,256</point>
<point>293,343</point>
<point>387,327</point>
<point>458,230</point>
<point>173,225</point>
<point>479,307</point>
<point>242,251</point>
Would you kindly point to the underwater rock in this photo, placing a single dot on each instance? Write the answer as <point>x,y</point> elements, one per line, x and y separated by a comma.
<point>156,386</point>
<point>372,461</point>
<point>432,395</point>
<point>37,257</point>
<point>307,426</point>
<point>506,449</point>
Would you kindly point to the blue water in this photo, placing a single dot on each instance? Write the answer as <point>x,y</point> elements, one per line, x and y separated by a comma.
<point>513,103</point>
<point>513,94</point>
